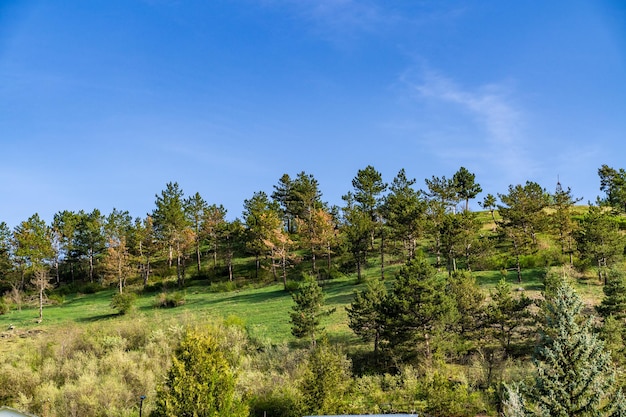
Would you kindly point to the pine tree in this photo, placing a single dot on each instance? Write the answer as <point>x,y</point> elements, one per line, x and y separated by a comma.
<point>308,310</point>
<point>575,376</point>
<point>365,314</point>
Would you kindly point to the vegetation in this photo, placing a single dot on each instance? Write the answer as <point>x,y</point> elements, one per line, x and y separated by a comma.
<point>437,309</point>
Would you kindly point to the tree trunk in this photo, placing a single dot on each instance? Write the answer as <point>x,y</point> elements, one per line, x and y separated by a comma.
<point>198,256</point>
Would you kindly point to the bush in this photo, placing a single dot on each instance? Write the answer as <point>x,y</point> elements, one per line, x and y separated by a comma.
<point>124,303</point>
<point>169,300</point>
<point>4,307</point>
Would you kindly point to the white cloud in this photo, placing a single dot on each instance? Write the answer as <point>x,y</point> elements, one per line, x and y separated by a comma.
<point>500,144</point>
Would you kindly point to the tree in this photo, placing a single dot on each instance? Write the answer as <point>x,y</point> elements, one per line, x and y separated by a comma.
<point>509,316</point>
<point>195,210</point>
<point>200,381</point>
<point>417,310</point>
<point>33,245</point>
<point>403,210</point>
<point>356,229</point>
<point>306,201</point>
<point>6,263</point>
<point>214,219</point>
<point>368,195</point>
<point>466,186</point>
<point>170,224</point>
<point>575,376</point>
<point>326,380</point>
<point>41,282</point>
<point>308,310</point>
<point>489,203</point>
<point>117,229</point>
<point>365,313</point>
<point>523,216</point>
<point>283,195</point>
<point>65,223</point>
<point>145,245</point>
<point>90,240</point>
<point>231,236</point>
<point>613,184</point>
<point>258,222</point>
<point>599,239</point>
<point>614,301</point>
<point>562,223</point>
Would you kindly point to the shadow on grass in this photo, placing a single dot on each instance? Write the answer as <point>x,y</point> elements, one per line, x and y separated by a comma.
<point>99,317</point>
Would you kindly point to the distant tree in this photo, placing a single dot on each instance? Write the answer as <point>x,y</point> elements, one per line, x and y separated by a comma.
<point>523,216</point>
<point>117,265</point>
<point>489,203</point>
<point>562,223</point>
<point>599,240</point>
<point>613,184</point>
<point>33,245</point>
<point>459,238</point>
<point>276,239</point>
<point>170,222</point>
<point>365,314</point>
<point>6,263</point>
<point>466,186</point>
<point>90,240</point>
<point>200,381</point>
<point>442,199</point>
<point>403,210</point>
<point>195,209</point>
<point>231,236</point>
<point>575,376</point>
<point>356,229</point>
<point>509,316</point>
<point>308,310</point>
<point>284,196</point>
<point>614,301</point>
<point>145,245</point>
<point>258,219</point>
<point>306,201</point>
<point>65,223</point>
<point>214,219</point>
<point>469,300</point>
<point>41,282</point>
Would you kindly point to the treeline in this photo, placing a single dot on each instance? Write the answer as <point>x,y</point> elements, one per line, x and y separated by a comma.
<point>293,228</point>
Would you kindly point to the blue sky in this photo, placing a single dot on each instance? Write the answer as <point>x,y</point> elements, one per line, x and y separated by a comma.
<point>103,102</point>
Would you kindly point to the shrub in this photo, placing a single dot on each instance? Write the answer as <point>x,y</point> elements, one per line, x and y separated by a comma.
<point>169,300</point>
<point>124,303</point>
<point>4,307</point>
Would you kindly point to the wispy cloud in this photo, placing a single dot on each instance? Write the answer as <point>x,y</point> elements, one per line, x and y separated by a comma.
<point>491,109</point>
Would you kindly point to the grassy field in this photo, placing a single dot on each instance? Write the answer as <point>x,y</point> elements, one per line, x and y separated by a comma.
<point>264,310</point>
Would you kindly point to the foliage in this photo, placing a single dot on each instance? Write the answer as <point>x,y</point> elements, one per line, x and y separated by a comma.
<point>308,310</point>
<point>365,314</point>
<point>200,382</point>
<point>124,303</point>
<point>326,381</point>
<point>169,299</point>
<point>417,310</point>
<point>574,373</point>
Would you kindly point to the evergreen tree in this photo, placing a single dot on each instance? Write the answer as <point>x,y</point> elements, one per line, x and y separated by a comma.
<point>599,240</point>
<point>466,186</point>
<point>509,316</point>
<point>200,382</point>
<point>365,312</point>
<point>308,310</point>
<point>418,310</point>
<point>614,301</point>
<point>575,376</point>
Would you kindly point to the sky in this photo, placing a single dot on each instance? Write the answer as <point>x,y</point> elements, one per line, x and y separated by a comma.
<point>104,102</point>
